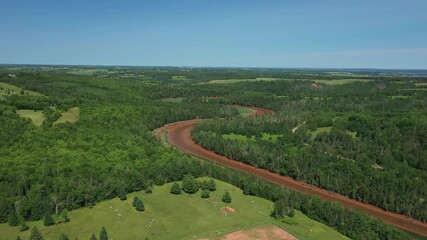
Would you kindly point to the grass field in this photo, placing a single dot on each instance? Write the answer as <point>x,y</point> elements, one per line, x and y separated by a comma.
<point>244,111</point>
<point>179,78</point>
<point>400,97</point>
<point>341,81</point>
<point>174,100</point>
<point>174,217</point>
<point>222,81</point>
<point>422,84</point>
<point>72,116</point>
<point>320,130</point>
<point>8,89</point>
<point>37,117</point>
<point>265,137</point>
<point>88,72</point>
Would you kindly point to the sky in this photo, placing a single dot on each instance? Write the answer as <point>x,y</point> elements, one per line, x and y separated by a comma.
<point>216,33</point>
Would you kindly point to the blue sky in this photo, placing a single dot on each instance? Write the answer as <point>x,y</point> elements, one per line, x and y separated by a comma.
<point>286,33</point>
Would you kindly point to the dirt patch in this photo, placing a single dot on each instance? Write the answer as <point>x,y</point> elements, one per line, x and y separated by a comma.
<point>227,210</point>
<point>269,232</point>
<point>214,201</point>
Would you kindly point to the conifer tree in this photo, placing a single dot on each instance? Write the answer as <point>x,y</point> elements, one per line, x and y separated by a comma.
<point>138,204</point>
<point>176,189</point>
<point>93,237</point>
<point>189,184</point>
<point>205,194</point>
<point>48,220</point>
<point>63,237</point>
<point>12,219</point>
<point>35,234</point>
<point>103,235</point>
<point>211,185</point>
<point>226,197</point>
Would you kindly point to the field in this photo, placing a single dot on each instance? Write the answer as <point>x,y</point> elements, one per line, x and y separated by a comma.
<point>246,80</point>
<point>89,72</point>
<point>37,117</point>
<point>341,81</point>
<point>320,130</point>
<point>170,216</point>
<point>8,89</point>
<point>174,100</point>
<point>244,111</point>
<point>72,116</point>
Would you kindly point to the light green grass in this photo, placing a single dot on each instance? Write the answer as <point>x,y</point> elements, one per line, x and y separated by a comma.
<point>179,78</point>
<point>416,89</point>
<point>175,217</point>
<point>222,81</point>
<point>341,81</point>
<point>87,72</point>
<point>265,137</point>
<point>421,84</point>
<point>174,100</point>
<point>400,97</point>
<point>9,89</point>
<point>71,116</point>
<point>320,130</point>
<point>37,117</point>
<point>244,111</point>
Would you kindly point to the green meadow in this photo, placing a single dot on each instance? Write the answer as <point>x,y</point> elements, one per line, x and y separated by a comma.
<point>169,216</point>
<point>37,117</point>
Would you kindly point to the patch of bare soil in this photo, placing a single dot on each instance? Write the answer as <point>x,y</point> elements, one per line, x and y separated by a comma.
<point>260,233</point>
<point>227,210</point>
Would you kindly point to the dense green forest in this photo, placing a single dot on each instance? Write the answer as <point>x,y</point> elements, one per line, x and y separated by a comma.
<point>372,146</point>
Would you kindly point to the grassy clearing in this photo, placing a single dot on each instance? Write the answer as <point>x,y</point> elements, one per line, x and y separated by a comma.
<point>400,97</point>
<point>175,217</point>
<point>88,72</point>
<point>174,100</point>
<point>245,80</point>
<point>320,130</point>
<point>244,111</point>
<point>37,117</point>
<point>341,81</point>
<point>421,84</point>
<point>9,89</point>
<point>71,116</point>
<point>265,137</point>
<point>179,78</point>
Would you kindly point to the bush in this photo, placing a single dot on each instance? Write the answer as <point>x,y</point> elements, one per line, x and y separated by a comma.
<point>138,204</point>
<point>211,185</point>
<point>175,189</point>
<point>12,219</point>
<point>226,197</point>
<point>205,194</point>
<point>189,184</point>
<point>48,220</point>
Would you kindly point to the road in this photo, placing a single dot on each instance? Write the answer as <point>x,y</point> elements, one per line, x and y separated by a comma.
<point>179,135</point>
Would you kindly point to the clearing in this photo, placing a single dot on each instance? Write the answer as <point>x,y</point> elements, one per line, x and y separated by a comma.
<point>37,117</point>
<point>71,116</point>
<point>265,136</point>
<point>169,216</point>
<point>9,89</point>
<point>245,80</point>
<point>341,81</point>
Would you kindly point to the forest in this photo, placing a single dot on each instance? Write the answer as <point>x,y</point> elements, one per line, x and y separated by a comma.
<point>364,139</point>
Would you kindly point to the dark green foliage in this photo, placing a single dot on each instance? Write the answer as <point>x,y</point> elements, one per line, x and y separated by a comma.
<point>123,196</point>
<point>35,234</point>
<point>283,207</point>
<point>226,197</point>
<point>23,226</point>
<point>138,204</point>
<point>12,219</point>
<point>189,184</point>
<point>203,185</point>
<point>18,238</point>
<point>48,220</point>
<point>211,186</point>
<point>64,216</point>
<point>175,189</point>
<point>63,237</point>
<point>149,190</point>
<point>205,194</point>
<point>93,237</point>
<point>103,235</point>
